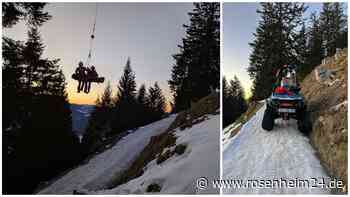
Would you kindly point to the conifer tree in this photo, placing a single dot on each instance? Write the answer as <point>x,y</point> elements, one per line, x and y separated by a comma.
<point>333,24</point>
<point>156,102</point>
<point>227,104</point>
<point>196,71</point>
<point>314,46</point>
<point>127,85</point>
<point>302,51</point>
<point>106,100</point>
<point>125,102</point>
<point>32,13</point>
<point>234,103</point>
<point>37,106</point>
<point>180,83</point>
<point>142,108</point>
<point>275,44</point>
<point>99,122</point>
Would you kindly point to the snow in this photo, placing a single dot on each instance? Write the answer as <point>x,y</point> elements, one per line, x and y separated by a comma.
<point>283,153</point>
<point>336,81</point>
<point>178,174</point>
<point>103,167</point>
<point>340,105</point>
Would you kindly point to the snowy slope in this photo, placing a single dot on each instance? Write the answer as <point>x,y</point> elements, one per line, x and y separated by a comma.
<point>99,170</point>
<point>281,153</point>
<point>178,174</point>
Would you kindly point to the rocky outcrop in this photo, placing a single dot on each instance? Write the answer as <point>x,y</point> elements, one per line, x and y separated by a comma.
<point>325,90</point>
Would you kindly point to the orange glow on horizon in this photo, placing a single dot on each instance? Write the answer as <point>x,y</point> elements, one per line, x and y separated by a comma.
<point>81,98</point>
<point>89,99</point>
<point>167,107</point>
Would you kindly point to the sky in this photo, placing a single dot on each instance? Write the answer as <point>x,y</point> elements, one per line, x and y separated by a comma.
<point>240,21</point>
<point>148,33</point>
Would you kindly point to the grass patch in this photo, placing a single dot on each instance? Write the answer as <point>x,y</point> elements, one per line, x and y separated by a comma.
<point>163,157</point>
<point>253,107</point>
<point>194,115</point>
<point>180,149</point>
<point>149,153</point>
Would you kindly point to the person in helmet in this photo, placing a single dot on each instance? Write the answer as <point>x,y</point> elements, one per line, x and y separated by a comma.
<point>91,76</point>
<point>80,72</point>
<point>286,80</point>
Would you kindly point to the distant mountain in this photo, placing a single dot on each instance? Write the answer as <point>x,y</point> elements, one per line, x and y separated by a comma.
<point>80,117</point>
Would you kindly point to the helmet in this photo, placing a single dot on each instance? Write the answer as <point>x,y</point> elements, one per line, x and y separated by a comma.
<point>81,63</point>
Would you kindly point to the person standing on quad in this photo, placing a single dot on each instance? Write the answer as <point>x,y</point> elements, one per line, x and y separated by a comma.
<point>80,72</point>
<point>286,80</point>
<point>91,76</point>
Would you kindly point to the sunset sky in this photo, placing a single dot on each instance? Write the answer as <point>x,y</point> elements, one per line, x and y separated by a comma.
<point>240,21</point>
<point>148,33</point>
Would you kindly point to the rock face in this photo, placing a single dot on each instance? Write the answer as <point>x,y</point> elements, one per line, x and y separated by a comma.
<point>327,103</point>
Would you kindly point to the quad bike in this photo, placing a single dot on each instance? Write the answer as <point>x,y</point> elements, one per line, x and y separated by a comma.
<point>287,103</point>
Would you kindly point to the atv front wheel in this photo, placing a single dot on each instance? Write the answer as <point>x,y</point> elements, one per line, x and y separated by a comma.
<point>268,120</point>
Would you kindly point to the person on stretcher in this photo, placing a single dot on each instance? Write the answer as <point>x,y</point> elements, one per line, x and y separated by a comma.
<point>85,76</point>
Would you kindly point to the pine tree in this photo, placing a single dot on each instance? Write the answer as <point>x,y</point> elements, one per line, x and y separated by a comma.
<point>275,44</point>
<point>127,85</point>
<point>241,104</point>
<point>105,100</point>
<point>142,95</point>
<point>333,24</point>
<point>224,87</point>
<point>36,102</point>
<point>180,83</point>
<point>32,13</point>
<point>11,81</point>
<point>125,102</point>
<point>197,71</point>
<point>227,103</point>
<point>142,108</point>
<point>234,103</point>
<point>156,102</point>
<point>99,122</point>
<point>302,51</point>
<point>314,46</point>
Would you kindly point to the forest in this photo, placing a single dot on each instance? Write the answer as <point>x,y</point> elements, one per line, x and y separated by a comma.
<point>285,36</point>
<point>38,142</point>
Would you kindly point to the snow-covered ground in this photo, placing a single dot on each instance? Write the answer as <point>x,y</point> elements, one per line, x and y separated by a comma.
<point>178,174</point>
<point>102,168</point>
<point>281,154</point>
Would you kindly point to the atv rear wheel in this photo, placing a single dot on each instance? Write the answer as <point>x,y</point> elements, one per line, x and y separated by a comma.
<point>268,119</point>
<point>304,123</point>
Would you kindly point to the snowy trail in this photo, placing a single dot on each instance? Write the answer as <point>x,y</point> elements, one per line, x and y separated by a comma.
<point>283,153</point>
<point>99,170</point>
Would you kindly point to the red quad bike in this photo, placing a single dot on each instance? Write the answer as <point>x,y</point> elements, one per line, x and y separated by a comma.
<point>286,102</point>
